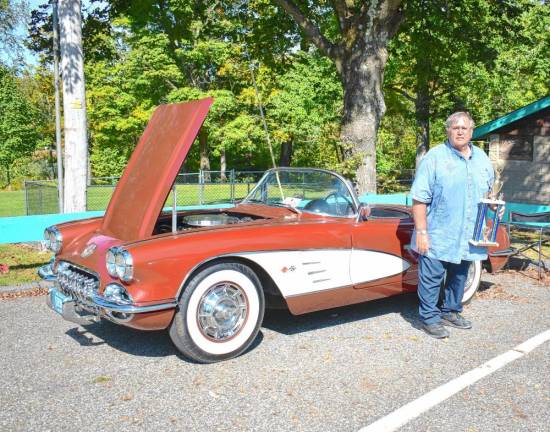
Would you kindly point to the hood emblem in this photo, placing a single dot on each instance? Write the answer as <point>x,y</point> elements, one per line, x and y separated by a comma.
<point>88,250</point>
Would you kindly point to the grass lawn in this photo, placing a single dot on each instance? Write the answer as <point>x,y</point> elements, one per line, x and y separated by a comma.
<point>23,262</point>
<point>12,203</point>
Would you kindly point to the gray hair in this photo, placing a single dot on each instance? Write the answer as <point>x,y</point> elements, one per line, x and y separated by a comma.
<point>453,118</point>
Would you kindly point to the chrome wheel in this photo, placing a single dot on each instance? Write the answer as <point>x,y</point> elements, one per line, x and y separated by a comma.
<point>223,310</point>
<point>219,313</point>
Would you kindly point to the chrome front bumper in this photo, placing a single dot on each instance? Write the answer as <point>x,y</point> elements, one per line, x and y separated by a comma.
<point>46,271</point>
<point>93,303</point>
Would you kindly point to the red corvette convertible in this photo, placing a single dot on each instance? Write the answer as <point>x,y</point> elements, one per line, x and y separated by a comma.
<point>300,239</point>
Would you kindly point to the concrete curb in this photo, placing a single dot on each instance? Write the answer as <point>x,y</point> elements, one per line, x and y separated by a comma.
<point>29,286</point>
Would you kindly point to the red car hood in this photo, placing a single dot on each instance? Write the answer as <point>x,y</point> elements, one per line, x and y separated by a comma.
<point>150,173</point>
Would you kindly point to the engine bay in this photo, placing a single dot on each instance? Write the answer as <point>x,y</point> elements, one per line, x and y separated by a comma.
<point>188,221</point>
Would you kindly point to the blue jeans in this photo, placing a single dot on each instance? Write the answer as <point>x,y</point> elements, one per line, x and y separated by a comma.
<point>430,276</point>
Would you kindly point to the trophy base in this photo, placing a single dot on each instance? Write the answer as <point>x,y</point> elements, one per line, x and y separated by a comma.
<point>482,243</point>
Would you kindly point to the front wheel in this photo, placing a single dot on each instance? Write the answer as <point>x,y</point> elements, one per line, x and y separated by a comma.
<point>219,313</point>
<point>472,282</point>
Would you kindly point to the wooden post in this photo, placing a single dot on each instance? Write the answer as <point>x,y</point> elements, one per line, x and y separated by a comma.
<point>74,106</point>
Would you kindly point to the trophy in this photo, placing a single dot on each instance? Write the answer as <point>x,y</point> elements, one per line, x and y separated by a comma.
<point>486,227</point>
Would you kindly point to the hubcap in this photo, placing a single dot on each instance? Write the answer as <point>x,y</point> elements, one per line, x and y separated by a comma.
<point>222,311</point>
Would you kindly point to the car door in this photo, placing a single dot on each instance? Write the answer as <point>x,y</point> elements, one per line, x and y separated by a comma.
<point>382,262</point>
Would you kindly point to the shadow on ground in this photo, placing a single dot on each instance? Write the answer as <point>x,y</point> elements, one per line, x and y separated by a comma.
<point>282,321</point>
<point>158,343</point>
<point>131,341</point>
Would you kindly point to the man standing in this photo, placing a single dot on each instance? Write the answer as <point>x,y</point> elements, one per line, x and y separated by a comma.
<point>451,180</point>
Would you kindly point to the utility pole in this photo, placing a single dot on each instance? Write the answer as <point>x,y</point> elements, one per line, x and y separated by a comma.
<point>74,106</point>
<point>57,109</point>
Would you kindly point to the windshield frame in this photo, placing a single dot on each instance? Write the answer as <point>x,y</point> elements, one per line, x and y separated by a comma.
<point>354,201</point>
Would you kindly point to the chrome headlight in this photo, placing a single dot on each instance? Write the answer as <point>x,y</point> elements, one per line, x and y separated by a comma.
<point>53,239</point>
<point>110,261</point>
<point>119,263</point>
<point>117,293</point>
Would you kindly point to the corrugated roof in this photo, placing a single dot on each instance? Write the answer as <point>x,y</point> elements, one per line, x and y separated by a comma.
<point>485,129</point>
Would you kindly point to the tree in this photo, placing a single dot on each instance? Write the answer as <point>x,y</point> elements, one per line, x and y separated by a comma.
<point>304,104</point>
<point>359,49</point>
<point>432,55</point>
<point>12,13</point>
<point>18,136</point>
<point>481,56</point>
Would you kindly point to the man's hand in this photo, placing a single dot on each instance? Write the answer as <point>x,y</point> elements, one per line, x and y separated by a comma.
<point>420,223</point>
<point>500,212</point>
<point>422,242</point>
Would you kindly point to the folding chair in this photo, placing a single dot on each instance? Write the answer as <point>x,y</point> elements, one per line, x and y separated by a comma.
<point>539,222</point>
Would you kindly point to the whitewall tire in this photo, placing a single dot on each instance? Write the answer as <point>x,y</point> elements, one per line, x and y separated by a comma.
<point>472,282</point>
<point>219,313</point>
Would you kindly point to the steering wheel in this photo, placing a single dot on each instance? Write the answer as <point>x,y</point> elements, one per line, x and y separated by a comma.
<point>341,208</point>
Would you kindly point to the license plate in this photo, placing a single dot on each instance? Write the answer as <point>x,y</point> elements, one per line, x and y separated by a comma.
<point>58,299</point>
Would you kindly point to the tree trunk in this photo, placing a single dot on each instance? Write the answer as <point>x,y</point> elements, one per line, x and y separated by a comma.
<point>364,107</point>
<point>74,106</point>
<point>360,57</point>
<point>203,148</point>
<point>285,158</point>
<point>422,113</point>
<point>223,165</point>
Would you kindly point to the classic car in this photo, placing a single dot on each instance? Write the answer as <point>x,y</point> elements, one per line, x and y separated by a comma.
<point>300,239</point>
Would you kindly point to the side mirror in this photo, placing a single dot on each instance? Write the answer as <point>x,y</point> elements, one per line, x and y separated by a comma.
<point>364,212</point>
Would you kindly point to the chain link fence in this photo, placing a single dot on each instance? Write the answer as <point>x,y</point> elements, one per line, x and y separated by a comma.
<point>41,197</point>
<point>204,187</point>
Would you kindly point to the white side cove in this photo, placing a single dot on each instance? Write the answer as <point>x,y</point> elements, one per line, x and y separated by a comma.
<point>304,272</point>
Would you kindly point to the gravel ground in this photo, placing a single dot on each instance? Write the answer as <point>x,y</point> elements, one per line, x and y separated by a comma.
<point>336,370</point>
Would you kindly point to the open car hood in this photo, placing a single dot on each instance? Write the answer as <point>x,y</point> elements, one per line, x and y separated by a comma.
<point>145,184</point>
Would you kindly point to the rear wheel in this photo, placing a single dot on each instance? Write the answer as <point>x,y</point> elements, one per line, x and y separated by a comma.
<point>219,314</point>
<point>472,282</point>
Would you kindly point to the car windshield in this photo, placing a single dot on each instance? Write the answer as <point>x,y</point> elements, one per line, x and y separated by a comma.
<point>307,190</point>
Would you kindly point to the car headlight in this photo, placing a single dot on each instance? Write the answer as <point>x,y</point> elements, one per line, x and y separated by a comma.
<point>117,293</point>
<point>53,239</point>
<point>119,263</point>
<point>110,261</point>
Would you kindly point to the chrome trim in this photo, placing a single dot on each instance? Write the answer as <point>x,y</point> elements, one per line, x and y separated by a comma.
<point>58,239</point>
<point>111,267</point>
<point>46,271</point>
<point>79,267</point>
<point>222,311</point>
<point>90,300</point>
<point>121,301</point>
<point>127,273</point>
<point>130,309</point>
<point>70,313</point>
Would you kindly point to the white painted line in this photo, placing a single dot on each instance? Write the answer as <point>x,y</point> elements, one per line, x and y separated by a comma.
<point>406,413</point>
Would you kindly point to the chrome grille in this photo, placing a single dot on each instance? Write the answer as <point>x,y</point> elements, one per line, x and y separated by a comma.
<point>79,283</point>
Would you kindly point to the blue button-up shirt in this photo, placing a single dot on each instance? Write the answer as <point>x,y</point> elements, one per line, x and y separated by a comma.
<point>452,187</point>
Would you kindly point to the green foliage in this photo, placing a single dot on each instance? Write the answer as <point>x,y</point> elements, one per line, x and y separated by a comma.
<point>484,56</point>
<point>12,14</point>
<point>18,123</point>
<point>303,108</point>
